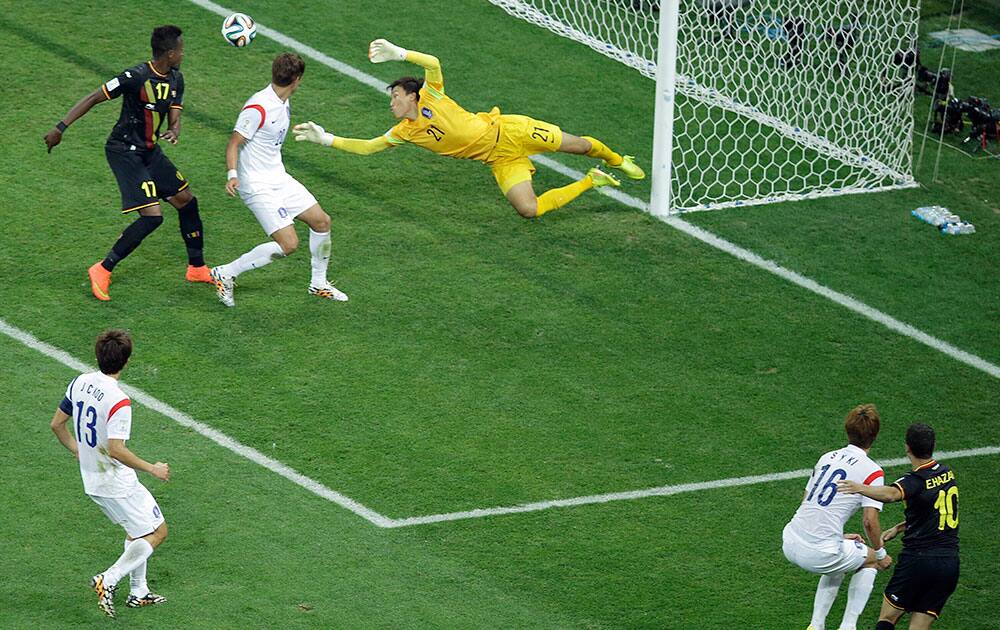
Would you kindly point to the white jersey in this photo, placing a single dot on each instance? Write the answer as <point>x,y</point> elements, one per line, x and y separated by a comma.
<point>100,411</point>
<point>263,122</point>
<point>821,517</point>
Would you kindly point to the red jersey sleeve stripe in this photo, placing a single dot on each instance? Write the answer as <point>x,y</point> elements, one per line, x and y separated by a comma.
<point>125,402</point>
<point>263,114</point>
<point>872,477</point>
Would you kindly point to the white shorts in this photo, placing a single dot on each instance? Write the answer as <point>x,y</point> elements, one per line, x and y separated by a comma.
<point>138,513</point>
<point>275,205</point>
<point>843,556</point>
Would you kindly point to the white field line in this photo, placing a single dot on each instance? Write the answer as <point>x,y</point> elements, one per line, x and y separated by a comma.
<point>218,437</point>
<point>675,222</point>
<point>703,235</point>
<point>385,522</point>
<point>661,491</point>
<point>795,278</point>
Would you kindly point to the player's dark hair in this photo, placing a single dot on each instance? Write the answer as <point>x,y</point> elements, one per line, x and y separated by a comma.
<point>410,85</point>
<point>862,425</point>
<point>920,439</point>
<point>286,68</point>
<point>113,348</point>
<point>164,39</point>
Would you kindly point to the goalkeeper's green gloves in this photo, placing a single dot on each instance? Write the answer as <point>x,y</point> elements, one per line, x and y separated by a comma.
<point>381,50</point>
<point>312,132</point>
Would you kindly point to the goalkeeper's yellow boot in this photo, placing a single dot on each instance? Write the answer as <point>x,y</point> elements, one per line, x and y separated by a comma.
<point>100,280</point>
<point>600,178</point>
<point>198,274</point>
<point>630,168</point>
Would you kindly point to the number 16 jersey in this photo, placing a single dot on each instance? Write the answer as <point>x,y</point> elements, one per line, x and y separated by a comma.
<point>823,512</point>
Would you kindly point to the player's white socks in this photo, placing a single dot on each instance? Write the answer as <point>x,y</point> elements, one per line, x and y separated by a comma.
<point>857,596</point>
<point>137,577</point>
<point>319,247</point>
<point>136,553</point>
<point>826,593</point>
<point>254,259</point>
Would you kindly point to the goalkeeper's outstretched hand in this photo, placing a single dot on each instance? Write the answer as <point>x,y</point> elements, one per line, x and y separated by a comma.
<point>312,132</point>
<point>381,50</point>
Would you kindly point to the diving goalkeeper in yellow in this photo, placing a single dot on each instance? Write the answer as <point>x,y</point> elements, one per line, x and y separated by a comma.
<point>430,119</point>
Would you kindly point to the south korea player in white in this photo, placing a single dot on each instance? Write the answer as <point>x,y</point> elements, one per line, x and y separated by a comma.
<point>100,417</point>
<point>814,539</point>
<point>257,174</point>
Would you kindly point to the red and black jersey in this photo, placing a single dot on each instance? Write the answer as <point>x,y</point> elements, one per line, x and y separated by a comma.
<point>147,98</point>
<point>931,496</point>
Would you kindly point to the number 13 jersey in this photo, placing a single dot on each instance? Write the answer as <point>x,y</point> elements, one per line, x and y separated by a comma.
<point>100,411</point>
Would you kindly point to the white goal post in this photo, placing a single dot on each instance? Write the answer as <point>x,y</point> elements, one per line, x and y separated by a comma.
<point>760,101</point>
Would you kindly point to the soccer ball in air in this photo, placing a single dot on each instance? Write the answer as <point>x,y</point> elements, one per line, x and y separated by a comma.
<point>239,29</point>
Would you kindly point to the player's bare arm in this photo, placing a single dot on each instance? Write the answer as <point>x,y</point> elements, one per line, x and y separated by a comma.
<point>118,450</point>
<point>54,136</point>
<point>873,529</point>
<point>893,532</point>
<point>885,494</point>
<point>173,132</point>
<point>59,427</point>
<point>236,140</point>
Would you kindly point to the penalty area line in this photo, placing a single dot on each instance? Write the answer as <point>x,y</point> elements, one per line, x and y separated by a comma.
<point>673,221</point>
<point>382,521</point>
<point>661,491</point>
<point>218,437</point>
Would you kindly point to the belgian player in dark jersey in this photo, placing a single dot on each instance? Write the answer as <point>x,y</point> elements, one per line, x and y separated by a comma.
<point>152,93</point>
<point>927,568</point>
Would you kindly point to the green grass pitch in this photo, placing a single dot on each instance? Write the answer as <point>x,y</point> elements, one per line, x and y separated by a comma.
<point>482,361</point>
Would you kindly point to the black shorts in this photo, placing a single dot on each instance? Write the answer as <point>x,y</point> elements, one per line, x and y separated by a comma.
<point>922,582</point>
<point>144,177</point>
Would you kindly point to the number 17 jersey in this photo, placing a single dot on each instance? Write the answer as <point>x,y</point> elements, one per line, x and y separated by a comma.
<point>823,512</point>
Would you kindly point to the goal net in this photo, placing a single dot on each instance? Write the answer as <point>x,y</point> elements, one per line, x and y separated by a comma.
<point>772,100</point>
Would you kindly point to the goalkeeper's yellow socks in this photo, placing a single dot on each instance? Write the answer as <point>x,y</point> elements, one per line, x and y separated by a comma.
<point>559,197</point>
<point>625,164</point>
<point>601,151</point>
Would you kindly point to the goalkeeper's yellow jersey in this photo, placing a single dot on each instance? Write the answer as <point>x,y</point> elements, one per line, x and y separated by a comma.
<point>444,127</point>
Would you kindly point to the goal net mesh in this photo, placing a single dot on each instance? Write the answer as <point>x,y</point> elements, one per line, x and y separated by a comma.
<point>774,99</point>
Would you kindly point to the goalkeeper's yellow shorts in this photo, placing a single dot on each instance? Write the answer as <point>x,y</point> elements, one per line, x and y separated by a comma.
<point>519,137</point>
